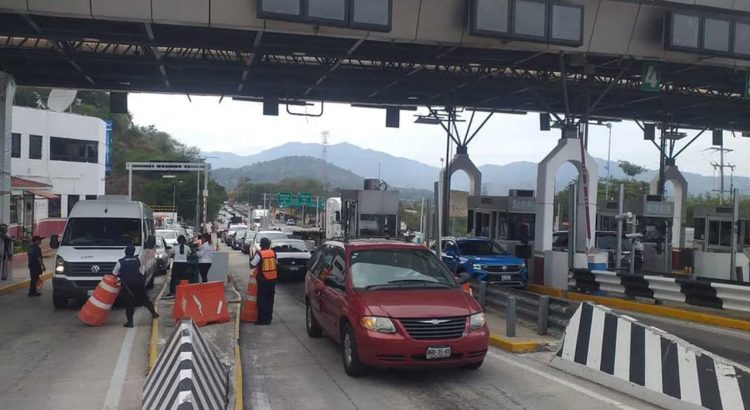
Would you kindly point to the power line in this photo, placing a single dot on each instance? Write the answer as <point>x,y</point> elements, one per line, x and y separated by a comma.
<point>721,166</point>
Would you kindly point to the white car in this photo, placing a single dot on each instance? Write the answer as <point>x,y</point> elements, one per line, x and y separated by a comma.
<point>271,235</point>
<point>169,235</point>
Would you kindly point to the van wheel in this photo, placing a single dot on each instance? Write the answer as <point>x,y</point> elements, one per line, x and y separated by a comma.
<point>59,302</point>
<point>313,328</point>
<point>352,365</point>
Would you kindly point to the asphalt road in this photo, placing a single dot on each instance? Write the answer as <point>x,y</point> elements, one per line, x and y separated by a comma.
<point>285,369</point>
<point>50,360</point>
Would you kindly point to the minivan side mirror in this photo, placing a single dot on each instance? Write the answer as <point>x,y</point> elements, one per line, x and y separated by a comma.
<point>333,282</point>
<point>54,242</point>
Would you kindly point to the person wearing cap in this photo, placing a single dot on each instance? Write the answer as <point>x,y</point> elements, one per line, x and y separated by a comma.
<point>130,272</point>
<point>36,264</point>
<point>263,265</point>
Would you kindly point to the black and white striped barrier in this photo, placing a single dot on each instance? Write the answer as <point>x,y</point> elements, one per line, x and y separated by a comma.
<point>703,292</point>
<point>187,374</point>
<point>622,353</point>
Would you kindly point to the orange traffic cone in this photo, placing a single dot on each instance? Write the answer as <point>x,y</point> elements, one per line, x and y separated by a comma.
<point>97,307</point>
<point>250,305</point>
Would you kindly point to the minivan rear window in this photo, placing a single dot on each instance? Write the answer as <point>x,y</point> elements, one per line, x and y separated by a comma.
<point>102,232</point>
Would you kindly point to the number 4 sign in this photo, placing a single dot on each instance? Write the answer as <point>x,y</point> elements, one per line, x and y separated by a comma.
<point>651,79</point>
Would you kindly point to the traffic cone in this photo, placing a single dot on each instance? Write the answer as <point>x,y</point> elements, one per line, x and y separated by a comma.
<point>97,307</point>
<point>250,305</point>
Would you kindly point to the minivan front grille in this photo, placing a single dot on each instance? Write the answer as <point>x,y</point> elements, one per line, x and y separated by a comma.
<point>435,328</point>
<point>503,269</point>
<point>85,268</point>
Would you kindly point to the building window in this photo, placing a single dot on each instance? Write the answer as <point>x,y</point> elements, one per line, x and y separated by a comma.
<point>15,204</point>
<point>53,208</point>
<point>15,147</point>
<point>72,200</point>
<point>35,147</point>
<point>66,149</point>
<point>91,197</point>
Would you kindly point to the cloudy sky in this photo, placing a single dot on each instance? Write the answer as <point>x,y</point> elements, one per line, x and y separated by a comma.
<point>241,128</point>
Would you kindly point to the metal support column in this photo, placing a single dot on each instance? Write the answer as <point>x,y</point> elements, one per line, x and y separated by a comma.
<point>735,219</point>
<point>205,199</point>
<point>572,224</point>
<point>620,211</point>
<point>198,201</point>
<point>130,183</point>
<point>7,92</point>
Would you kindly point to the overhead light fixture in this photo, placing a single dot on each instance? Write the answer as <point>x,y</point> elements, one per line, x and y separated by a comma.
<point>392,117</point>
<point>169,176</point>
<point>649,132</point>
<point>427,119</point>
<point>544,121</point>
<point>718,137</point>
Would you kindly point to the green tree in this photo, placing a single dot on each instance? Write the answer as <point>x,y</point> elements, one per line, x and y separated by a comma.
<point>630,169</point>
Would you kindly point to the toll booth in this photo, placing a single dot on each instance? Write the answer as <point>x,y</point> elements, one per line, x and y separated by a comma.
<point>370,212</point>
<point>713,243</point>
<point>654,218</point>
<point>509,220</point>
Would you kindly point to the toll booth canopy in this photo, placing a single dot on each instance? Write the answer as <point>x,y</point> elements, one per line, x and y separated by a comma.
<point>713,228</point>
<point>508,218</point>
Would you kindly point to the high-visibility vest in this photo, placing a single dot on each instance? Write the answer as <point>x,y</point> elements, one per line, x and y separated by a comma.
<point>268,264</point>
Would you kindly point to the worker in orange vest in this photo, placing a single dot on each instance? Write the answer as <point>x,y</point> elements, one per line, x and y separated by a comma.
<point>263,265</point>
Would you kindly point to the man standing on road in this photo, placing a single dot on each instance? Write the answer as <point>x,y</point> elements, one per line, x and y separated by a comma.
<point>263,265</point>
<point>130,272</point>
<point>36,264</point>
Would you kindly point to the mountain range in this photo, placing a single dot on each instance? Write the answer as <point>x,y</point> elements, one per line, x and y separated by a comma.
<point>347,165</point>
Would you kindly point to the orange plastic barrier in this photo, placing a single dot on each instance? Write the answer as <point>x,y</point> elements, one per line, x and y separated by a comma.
<point>250,305</point>
<point>97,307</point>
<point>202,302</point>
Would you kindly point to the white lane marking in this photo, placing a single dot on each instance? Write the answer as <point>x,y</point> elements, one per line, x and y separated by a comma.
<point>729,388</point>
<point>562,382</point>
<point>571,337</point>
<point>112,400</point>
<point>259,395</point>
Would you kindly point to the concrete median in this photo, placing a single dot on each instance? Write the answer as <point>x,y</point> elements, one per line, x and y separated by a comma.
<point>626,355</point>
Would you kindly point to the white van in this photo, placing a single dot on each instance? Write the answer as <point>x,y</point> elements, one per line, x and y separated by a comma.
<point>95,238</point>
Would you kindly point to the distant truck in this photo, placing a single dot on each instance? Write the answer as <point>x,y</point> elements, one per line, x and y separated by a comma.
<point>260,217</point>
<point>363,213</point>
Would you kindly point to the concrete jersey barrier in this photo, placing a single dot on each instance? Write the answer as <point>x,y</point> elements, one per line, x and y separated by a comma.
<point>615,346</point>
<point>187,374</point>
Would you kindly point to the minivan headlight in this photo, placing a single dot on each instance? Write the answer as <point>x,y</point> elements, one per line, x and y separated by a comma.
<point>477,266</point>
<point>59,264</point>
<point>477,321</point>
<point>378,324</point>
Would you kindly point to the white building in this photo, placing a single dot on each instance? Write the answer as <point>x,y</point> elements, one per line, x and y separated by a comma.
<point>65,151</point>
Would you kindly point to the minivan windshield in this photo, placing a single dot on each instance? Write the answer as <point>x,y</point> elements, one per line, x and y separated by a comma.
<point>480,248</point>
<point>102,232</point>
<point>290,246</point>
<point>271,236</point>
<point>386,268</point>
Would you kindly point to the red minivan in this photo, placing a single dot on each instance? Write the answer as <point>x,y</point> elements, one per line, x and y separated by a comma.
<point>392,304</point>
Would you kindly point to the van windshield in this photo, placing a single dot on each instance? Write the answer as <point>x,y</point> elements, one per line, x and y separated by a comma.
<point>102,232</point>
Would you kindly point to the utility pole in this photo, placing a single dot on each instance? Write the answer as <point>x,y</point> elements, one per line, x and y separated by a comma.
<point>721,166</point>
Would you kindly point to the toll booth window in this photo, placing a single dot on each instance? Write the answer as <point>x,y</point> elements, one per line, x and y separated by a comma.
<point>700,228</point>
<point>742,38</point>
<point>275,8</point>
<point>502,226</point>
<point>685,31</point>
<point>716,34</point>
<point>54,208</point>
<point>725,238</point>
<point>520,227</point>
<point>567,24</point>
<point>15,145</point>
<point>327,10</point>
<point>371,14</point>
<point>530,19</point>
<point>66,149</point>
<point>491,17</point>
<point>713,232</point>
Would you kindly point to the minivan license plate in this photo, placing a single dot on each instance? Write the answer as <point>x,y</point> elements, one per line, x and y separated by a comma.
<point>438,352</point>
<point>505,277</point>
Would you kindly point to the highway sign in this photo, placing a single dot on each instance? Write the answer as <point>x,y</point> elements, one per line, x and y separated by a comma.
<point>651,77</point>
<point>284,198</point>
<point>305,198</point>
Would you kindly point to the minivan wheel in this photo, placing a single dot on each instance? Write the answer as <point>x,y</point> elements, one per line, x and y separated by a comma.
<point>313,328</point>
<point>352,365</point>
<point>59,302</point>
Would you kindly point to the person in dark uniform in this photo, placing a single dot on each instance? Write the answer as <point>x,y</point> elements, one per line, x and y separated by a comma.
<point>36,264</point>
<point>130,272</point>
<point>263,265</point>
